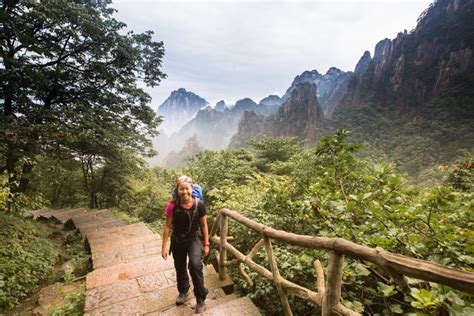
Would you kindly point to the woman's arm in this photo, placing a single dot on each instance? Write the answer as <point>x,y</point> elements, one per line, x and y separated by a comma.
<point>205,234</point>
<point>166,234</point>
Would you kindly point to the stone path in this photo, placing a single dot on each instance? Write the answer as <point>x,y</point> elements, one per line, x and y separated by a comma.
<point>129,275</point>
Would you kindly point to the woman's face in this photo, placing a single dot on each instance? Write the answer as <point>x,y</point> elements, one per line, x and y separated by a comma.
<point>185,190</point>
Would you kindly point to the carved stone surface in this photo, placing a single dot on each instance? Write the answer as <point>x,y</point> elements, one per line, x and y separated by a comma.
<point>153,282</point>
<point>130,270</point>
<point>128,307</point>
<point>110,294</point>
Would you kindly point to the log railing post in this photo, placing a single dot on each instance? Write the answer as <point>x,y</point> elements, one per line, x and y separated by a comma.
<point>224,223</point>
<point>334,282</point>
<point>277,277</point>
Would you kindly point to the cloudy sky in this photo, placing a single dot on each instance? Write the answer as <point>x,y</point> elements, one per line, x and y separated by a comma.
<point>228,49</point>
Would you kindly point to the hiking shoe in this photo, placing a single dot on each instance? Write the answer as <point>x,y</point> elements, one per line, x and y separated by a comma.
<point>181,298</point>
<point>200,306</point>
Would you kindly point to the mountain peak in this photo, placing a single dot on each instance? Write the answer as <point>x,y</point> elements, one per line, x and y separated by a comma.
<point>220,106</point>
<point>363,64</point>
<point>333,71</point>
<point>312,76</point>
<point>179,108</point>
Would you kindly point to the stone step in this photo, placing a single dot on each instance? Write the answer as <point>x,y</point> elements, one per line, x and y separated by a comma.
<point>157,301</point>
<point>100,225</point>
<point>104,244</point>
<point>153,273</point>
<point>35,214</point>
<point>91,216</point>
<point>115,246</point>
<point>214,298</point>
<point>124,233</point>
<point>67,214</point>
<point>151,295</point>
<point>240,306</point>
<point>118,253</point>
<point>48,213</point>
<point>97,222</point>
<point>129,270</point>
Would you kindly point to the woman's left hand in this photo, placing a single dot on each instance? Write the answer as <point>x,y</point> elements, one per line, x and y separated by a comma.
<point>206,250</point>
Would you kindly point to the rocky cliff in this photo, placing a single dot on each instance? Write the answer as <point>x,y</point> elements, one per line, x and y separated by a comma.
<point>300,116</point>
<point>412,68</point>
<point>331,86</point>
<point>413,100</point>
<point>251,126</point>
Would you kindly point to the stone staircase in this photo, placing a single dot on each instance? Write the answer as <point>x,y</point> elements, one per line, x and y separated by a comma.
<point>129,275</point>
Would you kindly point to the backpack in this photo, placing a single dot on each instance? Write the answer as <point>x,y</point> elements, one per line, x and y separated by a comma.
<point>197,192</point>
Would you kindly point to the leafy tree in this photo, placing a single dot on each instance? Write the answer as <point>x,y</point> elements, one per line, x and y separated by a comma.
<point>59,181</point>
<point>461,176</point>
<point>212,168</point>
<point>270,150</point>
<point>68,78</point>
<point>147,193</point>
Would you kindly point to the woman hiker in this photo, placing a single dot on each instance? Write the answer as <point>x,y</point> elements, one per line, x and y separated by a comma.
<point>186,219</point>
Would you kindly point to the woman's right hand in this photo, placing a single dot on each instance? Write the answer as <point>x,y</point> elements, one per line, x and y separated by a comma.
<point>164,253</point>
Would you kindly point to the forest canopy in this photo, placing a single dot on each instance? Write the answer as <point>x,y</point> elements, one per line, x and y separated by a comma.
<point>69,88</point>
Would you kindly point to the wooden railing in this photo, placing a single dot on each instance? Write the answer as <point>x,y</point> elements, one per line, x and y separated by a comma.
<point>328,294</point>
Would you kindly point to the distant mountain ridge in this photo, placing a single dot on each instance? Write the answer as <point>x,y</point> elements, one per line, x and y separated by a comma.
<point>214,127</point>
<point>179,108</point>
<point>417,91</point>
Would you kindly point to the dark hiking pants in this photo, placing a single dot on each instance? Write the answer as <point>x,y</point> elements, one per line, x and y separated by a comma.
<point>193,250</point>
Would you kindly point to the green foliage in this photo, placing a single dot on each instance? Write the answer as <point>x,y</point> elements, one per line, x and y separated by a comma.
<point>148,193</point>
<point>26,258</point>
<point>60,181</point>
<point>18,202</point>
<point>329,191</point>
<point>270,150</point>
<point>418,139</point>
<point>461,177</point>
<point>74,306</point>
<point>211,168</point>
<point>69,76</point>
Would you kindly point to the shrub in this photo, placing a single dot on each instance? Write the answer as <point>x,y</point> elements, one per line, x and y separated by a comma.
<point>26,258</point>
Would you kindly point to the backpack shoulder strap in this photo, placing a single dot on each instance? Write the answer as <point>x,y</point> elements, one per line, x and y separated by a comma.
<point>196,203</point>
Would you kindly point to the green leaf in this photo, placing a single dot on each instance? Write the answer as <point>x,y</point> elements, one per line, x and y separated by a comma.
<point>387,290</point>
<point>423,297</point>
<point>361,270</point>
<point>453,297</point>
<point>396,308</point>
